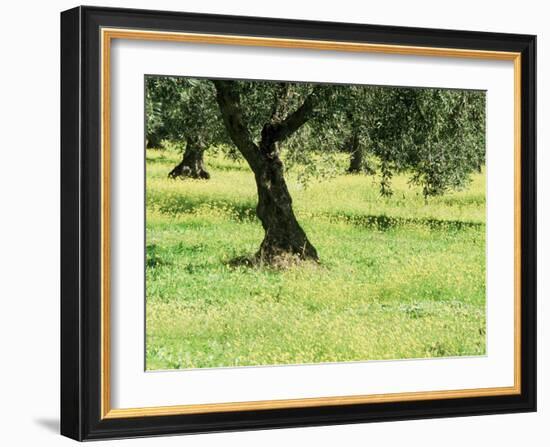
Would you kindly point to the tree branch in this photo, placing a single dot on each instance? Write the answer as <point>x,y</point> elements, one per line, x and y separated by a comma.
<point>230,107</point>
<point>281,102</point>
<point>274,132</point>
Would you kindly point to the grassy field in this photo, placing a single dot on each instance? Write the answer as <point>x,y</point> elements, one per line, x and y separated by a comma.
<point>399,277</point>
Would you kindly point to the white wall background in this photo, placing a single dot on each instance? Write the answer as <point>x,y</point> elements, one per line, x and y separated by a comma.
<point>29,223</point>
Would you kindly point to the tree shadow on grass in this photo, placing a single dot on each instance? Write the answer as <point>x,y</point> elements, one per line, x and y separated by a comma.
<point>239,211</point>
<point>246,212</point>
<point>279,263</point>
<point>382,222</point>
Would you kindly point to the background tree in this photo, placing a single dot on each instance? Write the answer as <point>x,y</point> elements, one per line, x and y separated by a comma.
<point>357,124</point>
<point>342,124</point>
<point>339,125</point>
<point>435,135</point>
<point>155,109</point>
<point>184,110</point>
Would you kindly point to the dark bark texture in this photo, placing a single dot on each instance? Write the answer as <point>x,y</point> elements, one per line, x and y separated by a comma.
<point>192,164</point>
<point>152,141</point>
<point>283,234</point>
<point>356,155</point>
<point>357,162</point>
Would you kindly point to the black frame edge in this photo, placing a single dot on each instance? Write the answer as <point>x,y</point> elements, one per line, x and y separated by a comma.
<point>529,223</point>
<point>71,381</point>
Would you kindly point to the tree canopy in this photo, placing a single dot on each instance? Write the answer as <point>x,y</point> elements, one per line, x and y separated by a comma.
<point>180,108</point>
<point>435,135</point>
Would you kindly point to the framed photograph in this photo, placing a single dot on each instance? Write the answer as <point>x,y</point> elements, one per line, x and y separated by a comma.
<point>276,223</point>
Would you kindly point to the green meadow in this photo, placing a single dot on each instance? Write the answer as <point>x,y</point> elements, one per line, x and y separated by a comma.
<point>399,277</point>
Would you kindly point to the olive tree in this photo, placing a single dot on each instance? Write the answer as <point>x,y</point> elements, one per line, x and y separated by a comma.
<point>258,118</point>
<point>435,135</point>
<point>184,110</point>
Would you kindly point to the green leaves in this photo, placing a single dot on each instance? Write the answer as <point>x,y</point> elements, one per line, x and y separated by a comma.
<point>181,108</point>
<point>436,136</point>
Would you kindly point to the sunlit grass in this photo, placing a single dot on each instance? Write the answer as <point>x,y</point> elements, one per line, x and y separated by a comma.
<point>399,277</point>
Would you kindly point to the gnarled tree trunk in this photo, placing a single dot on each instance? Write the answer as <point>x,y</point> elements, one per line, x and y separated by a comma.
<point>192,164</point>
<point>283,234</point>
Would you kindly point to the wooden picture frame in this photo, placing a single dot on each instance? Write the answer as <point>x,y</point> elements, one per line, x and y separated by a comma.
<point>86,37</point>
